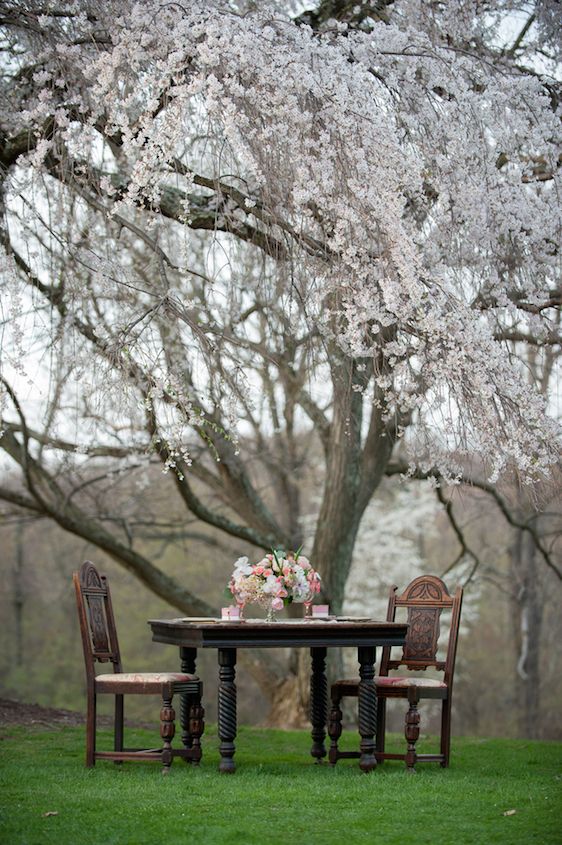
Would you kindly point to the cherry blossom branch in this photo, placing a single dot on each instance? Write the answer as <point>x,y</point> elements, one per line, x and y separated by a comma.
<point>484,301</point>
<point>256,207</point>
<point>202,212</point>
<point>195,505</point>
<point>552,338</point>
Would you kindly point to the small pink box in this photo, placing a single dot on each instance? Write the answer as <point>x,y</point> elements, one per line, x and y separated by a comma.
<point>320,610</point>
<point>230,613</point>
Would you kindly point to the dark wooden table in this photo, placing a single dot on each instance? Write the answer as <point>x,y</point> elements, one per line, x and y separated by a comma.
<point>318,635</point>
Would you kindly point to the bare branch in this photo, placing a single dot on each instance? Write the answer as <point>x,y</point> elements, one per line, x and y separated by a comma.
<point>194,503</point>
<point>527,525</point>
<point>465,549</point>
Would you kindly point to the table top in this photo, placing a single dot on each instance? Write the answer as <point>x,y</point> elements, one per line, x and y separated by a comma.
<point>199,632</point>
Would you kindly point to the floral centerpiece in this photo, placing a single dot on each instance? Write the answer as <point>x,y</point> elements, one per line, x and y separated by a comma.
<point>275,581</point>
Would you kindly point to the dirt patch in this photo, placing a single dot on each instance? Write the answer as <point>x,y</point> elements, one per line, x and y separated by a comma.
<point>18,713</point>
<point>28,715</point>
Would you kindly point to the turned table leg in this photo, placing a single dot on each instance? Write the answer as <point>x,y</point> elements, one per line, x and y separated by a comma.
<point>367,706</point>
<point>188,658</point>
<point>227,708</point>
<point>318,702</point>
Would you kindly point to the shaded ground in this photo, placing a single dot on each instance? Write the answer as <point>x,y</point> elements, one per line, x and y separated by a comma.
<point>17,713</point>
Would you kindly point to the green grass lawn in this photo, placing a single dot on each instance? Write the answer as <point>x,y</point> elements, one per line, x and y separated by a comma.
<point>277,795</point>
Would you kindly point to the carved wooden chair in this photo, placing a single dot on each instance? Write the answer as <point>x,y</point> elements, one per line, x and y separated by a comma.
<point>425,599</point>
<point>99,639</point>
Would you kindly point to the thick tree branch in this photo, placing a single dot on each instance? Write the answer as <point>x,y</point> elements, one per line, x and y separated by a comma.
<point>16,498</point>
<point>67,446</point>
<point>54,503</point>
<point>518,41</point>
<point>551,338</point>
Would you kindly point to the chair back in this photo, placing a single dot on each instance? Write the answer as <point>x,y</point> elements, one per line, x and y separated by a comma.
<point>425,598</point>
<point>97,623</point>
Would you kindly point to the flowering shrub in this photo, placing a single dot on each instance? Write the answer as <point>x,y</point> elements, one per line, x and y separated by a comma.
<point>276,580</point>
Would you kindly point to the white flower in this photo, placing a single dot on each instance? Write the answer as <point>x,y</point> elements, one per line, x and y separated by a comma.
<point>271,585</point>
<point>242,567</point>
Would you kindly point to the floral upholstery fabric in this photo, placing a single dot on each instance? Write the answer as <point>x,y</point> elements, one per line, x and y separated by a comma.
<point>383,681</point>
<point>146,678</point>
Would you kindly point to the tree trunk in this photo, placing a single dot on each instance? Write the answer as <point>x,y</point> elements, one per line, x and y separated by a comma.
<point>353,472</point>
<point>529,614</point>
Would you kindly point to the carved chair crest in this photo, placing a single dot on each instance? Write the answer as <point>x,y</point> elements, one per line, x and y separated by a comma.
<point>425,598</point>
<point>95,595</point>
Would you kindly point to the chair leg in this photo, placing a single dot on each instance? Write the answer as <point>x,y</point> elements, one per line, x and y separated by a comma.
<point>167,731</point>
<point>412,727</point>
<point>381,728</point>
<point>196,728</point>
<point>334,728</point>
<point>91,730</point>
<point>445,732</point>
<point>118,725</point>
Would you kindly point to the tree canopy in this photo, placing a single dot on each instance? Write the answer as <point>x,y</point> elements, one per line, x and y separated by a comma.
<point>238,241</point>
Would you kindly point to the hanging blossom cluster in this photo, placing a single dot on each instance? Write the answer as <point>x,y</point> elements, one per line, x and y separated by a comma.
<point>397,167</point>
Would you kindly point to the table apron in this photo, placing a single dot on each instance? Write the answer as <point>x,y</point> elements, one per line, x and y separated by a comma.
<point>178,639</point>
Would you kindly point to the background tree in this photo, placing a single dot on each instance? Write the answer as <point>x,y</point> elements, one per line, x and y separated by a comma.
<point>244,245</point>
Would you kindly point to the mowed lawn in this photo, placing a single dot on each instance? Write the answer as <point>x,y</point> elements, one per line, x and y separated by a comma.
<point>502,791</point>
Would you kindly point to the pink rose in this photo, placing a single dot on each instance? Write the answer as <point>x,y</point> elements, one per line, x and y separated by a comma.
<point>267,572</point>
<point>259,570</point>
<point>277,604</point>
